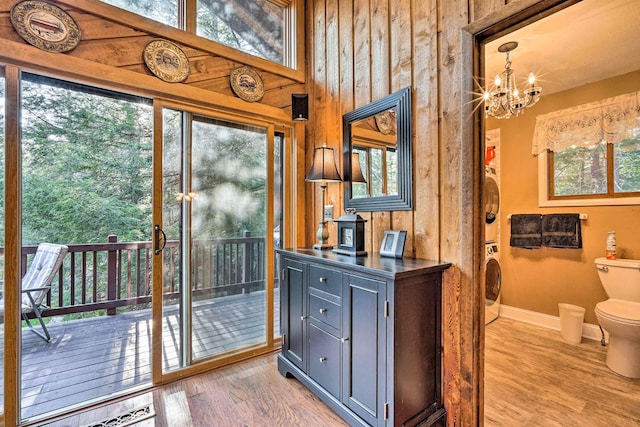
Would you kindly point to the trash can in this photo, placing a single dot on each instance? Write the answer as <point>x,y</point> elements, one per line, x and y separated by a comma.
<point>571,320</point>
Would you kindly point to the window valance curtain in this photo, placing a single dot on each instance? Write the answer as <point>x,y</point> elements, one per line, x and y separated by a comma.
<point>611,120</point>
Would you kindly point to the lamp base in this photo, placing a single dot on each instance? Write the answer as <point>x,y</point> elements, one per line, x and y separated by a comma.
<point>322,246</point>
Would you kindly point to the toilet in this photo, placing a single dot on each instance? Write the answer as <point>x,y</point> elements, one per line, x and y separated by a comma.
<point>620,314</point>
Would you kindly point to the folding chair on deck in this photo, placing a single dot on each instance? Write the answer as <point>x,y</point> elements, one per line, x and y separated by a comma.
<point>36,284</point>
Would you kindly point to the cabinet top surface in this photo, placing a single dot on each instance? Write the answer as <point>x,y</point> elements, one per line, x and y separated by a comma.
<point>391,267</point>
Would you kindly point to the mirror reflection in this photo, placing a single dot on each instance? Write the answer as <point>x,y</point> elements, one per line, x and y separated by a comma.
<point>374,166</point>
<point>377,154</point>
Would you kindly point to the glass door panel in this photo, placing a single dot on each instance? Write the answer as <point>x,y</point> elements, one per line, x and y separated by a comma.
<point>228,230</point>
<point>214,217</point>
<point>85,190</point>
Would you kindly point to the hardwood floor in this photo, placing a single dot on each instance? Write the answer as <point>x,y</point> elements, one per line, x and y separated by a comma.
<point>249,394</point>
<point>532,378</point>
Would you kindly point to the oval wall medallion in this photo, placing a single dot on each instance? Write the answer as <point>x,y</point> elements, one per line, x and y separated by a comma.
<point>166,61</point>
<point>45,26</point>
<point>247,84</point>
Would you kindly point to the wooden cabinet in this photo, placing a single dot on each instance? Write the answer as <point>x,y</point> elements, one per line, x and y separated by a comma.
<point>364,335</point>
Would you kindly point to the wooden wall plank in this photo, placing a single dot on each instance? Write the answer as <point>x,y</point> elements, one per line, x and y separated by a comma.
<point>426,156</point>
<point>401,66</point>
<point>380,87</point>
<point>333,120</point>
<point>362,53</point>
<point>346,59</point>
<point>361,46</point>
<point>316,130</point>
<point>95,28</point>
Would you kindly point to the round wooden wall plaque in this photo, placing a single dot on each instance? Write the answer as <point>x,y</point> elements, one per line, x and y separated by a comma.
<point>247,84</point>
<point>166,61</point>
<point>45,26</point>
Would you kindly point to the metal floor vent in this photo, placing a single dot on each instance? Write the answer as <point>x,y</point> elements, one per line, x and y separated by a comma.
<point>127,418</point>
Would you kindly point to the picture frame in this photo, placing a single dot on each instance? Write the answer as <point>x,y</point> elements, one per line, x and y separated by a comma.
<point>393,243</point>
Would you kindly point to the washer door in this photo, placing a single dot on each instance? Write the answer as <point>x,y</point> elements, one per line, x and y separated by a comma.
<point>491,199</point>
<point>493,279</point>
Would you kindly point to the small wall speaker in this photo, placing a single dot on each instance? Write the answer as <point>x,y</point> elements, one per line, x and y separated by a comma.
<point>300,106</point>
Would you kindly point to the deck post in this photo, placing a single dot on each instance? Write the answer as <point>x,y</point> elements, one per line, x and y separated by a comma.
<point>246,273</point>
<point>111,273</point>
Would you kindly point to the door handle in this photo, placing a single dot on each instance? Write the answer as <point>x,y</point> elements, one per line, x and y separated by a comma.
<point>158,231</point>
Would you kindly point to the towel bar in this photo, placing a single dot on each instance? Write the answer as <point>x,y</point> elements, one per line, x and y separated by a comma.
<point>583,216</point>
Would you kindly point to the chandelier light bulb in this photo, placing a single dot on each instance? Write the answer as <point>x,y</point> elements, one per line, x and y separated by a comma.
<point>498,80</point>
<point>532,79</point>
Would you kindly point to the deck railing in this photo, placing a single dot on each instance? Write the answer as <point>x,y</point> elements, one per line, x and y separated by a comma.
<point>105,276</point>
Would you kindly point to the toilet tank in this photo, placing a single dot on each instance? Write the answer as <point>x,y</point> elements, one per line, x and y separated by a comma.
<point>620,278</point>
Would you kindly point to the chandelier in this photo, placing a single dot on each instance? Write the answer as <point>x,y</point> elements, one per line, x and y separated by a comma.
<point>504,100</point>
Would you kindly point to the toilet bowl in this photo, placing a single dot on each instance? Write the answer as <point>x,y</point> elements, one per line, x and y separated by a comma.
<point>620,314</point>
<point>621,319</point>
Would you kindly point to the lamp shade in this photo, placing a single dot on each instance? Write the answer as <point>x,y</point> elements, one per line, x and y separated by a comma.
<point>356,170</point>
<point>324,166</point>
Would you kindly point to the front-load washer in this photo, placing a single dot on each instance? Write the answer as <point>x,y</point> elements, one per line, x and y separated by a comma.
<point>491,205</point>
<point>493,283</point>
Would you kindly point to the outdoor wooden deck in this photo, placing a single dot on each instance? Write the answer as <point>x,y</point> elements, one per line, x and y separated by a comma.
<point>100,356</point>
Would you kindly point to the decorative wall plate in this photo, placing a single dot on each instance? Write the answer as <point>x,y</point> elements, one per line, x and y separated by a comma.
<point>166,61</point>
<point>45,26</point>
<point>247,84</point>
<point>386,122</point>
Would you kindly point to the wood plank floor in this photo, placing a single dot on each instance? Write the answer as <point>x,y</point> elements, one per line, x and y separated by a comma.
<point>248,394</point>
<point>533,378</point>
<point>98,357</point>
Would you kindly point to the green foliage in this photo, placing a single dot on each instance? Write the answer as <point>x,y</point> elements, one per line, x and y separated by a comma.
<point>627,165</point>
<point>583,171</point>
<point>165,11</point>
<point>580,171</point>
<point>228,174</point>
<point>86,166</point>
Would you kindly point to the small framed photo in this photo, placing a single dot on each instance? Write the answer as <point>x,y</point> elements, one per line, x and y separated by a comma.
<point>393,243</point>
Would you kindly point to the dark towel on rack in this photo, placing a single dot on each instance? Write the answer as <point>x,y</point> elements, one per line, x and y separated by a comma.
<point>561,231</point>
<point>526,231</point>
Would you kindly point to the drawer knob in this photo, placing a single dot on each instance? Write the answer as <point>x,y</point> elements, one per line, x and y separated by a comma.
<point>344,340</point>
<point>323,310</point>
<point>323,280</point>
<point>303,317</point>
<point>323,359</point>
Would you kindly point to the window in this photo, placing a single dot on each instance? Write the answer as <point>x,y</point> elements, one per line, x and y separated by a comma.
<point>260,28</point>
<point>603,170</point>
<point>590,154</point>
<point>256,28</point>
<point>165,11</point>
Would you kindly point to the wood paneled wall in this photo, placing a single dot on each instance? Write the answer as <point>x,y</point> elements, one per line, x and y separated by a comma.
<point>360,51</point>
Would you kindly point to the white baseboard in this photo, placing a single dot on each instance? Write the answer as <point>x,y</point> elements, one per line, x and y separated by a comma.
<point>589,331</point>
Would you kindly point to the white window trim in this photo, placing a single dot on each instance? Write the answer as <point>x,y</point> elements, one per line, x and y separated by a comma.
<point>545,202</point>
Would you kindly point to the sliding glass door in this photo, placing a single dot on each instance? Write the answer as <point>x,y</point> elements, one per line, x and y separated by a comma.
<point>215,235</point>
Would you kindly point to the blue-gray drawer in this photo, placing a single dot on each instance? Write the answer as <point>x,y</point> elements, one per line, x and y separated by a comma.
<point>325,308</point>
<point>325,279</point>
<point>324,359</point>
